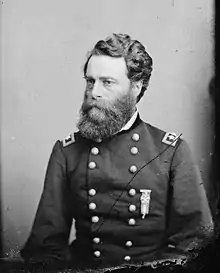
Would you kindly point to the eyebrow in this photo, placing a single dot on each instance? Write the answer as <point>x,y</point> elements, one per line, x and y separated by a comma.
<point>107,77</point>
<point>101,78</point>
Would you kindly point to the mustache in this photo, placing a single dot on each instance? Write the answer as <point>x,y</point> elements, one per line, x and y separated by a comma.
<point>88,105</point>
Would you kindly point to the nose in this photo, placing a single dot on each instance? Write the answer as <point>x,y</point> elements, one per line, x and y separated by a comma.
<point>96,90</point>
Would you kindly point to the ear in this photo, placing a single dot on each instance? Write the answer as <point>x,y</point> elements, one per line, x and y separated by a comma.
<point>136,87</point>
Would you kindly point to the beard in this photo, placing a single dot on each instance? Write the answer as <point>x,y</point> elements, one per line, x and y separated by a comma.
<point>101,120</point>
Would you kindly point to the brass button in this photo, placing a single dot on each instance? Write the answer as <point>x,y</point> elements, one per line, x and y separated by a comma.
<point>132,208</point>
<point>131,222</point>
<point>134,150</point>
<point>95,151</point>
<point>97,253</point>
<point>96,240</point>
<point>128,243</point>
<point>171,246</point>
<point>95,219</point>
<point>92,192</point>
<point>92,165</point>
<point>135,137</point>
<point>92,206</point>
<point>133,169</point>
<point>132,192</point>
<point>127,258</point>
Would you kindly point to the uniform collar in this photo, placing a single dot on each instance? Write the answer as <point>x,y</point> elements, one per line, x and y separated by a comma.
<point>131,121</point>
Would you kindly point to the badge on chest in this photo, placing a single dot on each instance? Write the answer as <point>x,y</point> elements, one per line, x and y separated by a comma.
<point>145,202</point>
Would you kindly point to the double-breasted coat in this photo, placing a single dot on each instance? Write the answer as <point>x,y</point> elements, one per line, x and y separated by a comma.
<point>134,197</point>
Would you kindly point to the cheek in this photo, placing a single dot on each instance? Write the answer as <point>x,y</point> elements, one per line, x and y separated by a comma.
<point>117,94</point>
<point>113,93</point>
<point>109,97</point>
<point>87,94</point>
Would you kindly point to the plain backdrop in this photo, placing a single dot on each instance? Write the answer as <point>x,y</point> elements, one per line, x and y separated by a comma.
<point>43,49</point>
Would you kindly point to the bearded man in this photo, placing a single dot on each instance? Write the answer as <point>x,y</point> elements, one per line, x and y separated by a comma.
<point>134,191</point>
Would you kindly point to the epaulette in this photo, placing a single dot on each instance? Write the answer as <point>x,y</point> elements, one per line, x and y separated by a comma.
<point>170,139</point>
<point>68,140</point>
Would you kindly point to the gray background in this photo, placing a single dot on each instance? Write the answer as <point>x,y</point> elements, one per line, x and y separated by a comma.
<point>43,49</point>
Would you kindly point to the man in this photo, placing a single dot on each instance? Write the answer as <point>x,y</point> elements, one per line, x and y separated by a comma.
<point>134,191</point>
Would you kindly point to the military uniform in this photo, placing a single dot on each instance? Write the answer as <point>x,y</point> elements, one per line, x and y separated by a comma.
<point>135,197</point>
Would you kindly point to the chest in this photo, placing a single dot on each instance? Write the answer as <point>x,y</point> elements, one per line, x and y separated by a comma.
<point>114,179</point>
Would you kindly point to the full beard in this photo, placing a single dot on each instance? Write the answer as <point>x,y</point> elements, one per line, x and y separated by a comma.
<point>100,121</point>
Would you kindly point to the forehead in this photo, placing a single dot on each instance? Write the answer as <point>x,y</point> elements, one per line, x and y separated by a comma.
<point>103,66</point>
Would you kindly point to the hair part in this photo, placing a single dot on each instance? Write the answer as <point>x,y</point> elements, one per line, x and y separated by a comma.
<point>138,61</point>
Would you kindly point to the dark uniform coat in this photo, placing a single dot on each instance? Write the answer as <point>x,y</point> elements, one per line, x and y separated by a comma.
<point>100,185</point>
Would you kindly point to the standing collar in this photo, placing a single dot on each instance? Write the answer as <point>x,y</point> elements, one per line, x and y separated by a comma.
<point>130,122</point>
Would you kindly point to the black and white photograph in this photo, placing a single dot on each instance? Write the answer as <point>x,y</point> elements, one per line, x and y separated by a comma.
<point>109,156</point>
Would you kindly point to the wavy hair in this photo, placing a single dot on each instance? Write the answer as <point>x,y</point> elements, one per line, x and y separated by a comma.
<point>138,61</point>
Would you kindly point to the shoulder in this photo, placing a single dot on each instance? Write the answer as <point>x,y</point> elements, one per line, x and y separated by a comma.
<point>164,138</point>
<point>171,141</point>
<point>68,140</point>
<point>171,145</point>
<point>168,144</point>
<point>72,142</point>
<point>62,143</point>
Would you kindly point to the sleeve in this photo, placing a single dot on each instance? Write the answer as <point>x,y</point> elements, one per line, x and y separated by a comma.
<point>190,223</point>
<point>48,239</point>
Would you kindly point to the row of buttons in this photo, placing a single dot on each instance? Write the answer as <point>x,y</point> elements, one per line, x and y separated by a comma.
<point>96,240</point>
<point>131,208</point>
<point>92,165</point>
<point>132,192</point>
<point>131,221</point>
<point>135,137</point>
<point>95,151</point>
<point>134,150</point>
<point>97,254</point>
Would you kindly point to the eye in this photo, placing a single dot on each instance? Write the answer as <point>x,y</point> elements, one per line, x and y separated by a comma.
<point>90,82</point>
<point>107,82</point>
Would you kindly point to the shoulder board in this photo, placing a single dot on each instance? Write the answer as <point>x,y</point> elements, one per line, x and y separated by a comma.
<point>170,139</point>
<point>68,140</point>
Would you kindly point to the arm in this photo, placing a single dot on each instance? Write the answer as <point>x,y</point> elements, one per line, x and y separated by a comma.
<point>189,218</point>
<point>49,236</point>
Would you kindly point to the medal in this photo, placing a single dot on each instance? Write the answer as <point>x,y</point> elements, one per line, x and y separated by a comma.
<point>145,202</point>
